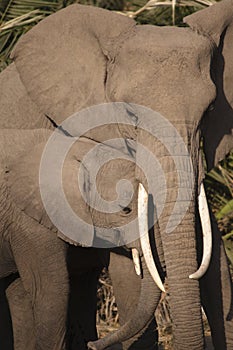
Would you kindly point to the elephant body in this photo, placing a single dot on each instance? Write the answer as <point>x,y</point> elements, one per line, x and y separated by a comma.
<point>162,83</point>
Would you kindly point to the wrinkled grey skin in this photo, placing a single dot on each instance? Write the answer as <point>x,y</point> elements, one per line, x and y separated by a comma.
<point>38,299</point>
<point>155,62</point>
<point>84,274</point>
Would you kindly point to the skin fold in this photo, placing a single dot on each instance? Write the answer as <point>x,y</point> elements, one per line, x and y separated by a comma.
<point>182,73</point>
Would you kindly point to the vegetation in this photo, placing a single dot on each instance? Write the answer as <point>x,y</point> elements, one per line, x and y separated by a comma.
<point>219,184</point>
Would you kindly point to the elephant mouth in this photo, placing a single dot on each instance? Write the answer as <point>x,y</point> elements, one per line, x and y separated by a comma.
<point>145,242</point>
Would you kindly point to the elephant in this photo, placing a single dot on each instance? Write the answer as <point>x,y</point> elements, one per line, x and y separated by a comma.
<point>181,77</point>
<point>83,279</point>
<point>38,298</point>
<point>26,295</point>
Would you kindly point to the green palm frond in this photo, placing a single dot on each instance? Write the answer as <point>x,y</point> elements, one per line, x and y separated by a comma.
<point>12,9</point>
<point>220,193</point>
<point>228,243</point>
<point>17,17</point>
<point>227,210</point>
<point>220,182</point>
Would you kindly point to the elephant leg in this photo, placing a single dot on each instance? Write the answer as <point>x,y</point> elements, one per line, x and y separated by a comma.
<point>216,295</point>
<point>21,315</point>
<point>7,263</point>
<point>82,310</point>
<point>6,333</point>
<point>126,286</point>
<point>41,260</point>
<point>84,266</point>
<point>7,268</point>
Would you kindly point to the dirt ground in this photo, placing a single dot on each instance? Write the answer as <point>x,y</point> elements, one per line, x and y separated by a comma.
<point>166,342</point>
<point>209,346</point>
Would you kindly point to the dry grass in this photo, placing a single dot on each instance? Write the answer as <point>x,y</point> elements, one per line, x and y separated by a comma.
<point>164,322</point>
<point>107,308</point>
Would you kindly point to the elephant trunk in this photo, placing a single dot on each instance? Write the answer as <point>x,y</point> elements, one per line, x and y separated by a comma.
<point>148,301</point>
<point>180,252</point>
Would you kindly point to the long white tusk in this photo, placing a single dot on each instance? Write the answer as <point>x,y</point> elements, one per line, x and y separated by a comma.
<point>207,234</point>
<point>136,260</point>
<point>144,236</point>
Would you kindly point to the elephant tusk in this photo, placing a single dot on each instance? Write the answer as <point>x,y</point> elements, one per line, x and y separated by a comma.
<point>144,236</point>
<point>136,260</point>
<point>207,234</point>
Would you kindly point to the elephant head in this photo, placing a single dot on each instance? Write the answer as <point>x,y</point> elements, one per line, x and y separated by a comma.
<point>34,190</point>
<point>168,80</point>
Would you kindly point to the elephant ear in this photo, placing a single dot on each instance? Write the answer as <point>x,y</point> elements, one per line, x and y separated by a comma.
<point>62,61</point>
<point>26,185</point>
<point>17,109</point>
<point>216,23</point>
<point>20,164</point>
<point>213,20</point>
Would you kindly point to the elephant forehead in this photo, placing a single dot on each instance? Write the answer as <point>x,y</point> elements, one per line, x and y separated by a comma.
<point>117,178</point>
<point>105,169</point>
<point>166,69</point>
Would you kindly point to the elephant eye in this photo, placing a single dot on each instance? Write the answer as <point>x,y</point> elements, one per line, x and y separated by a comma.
<point>127,210</point>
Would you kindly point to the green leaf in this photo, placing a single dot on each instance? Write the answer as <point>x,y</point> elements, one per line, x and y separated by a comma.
<point>17,17</point>
<point>226,210</point>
